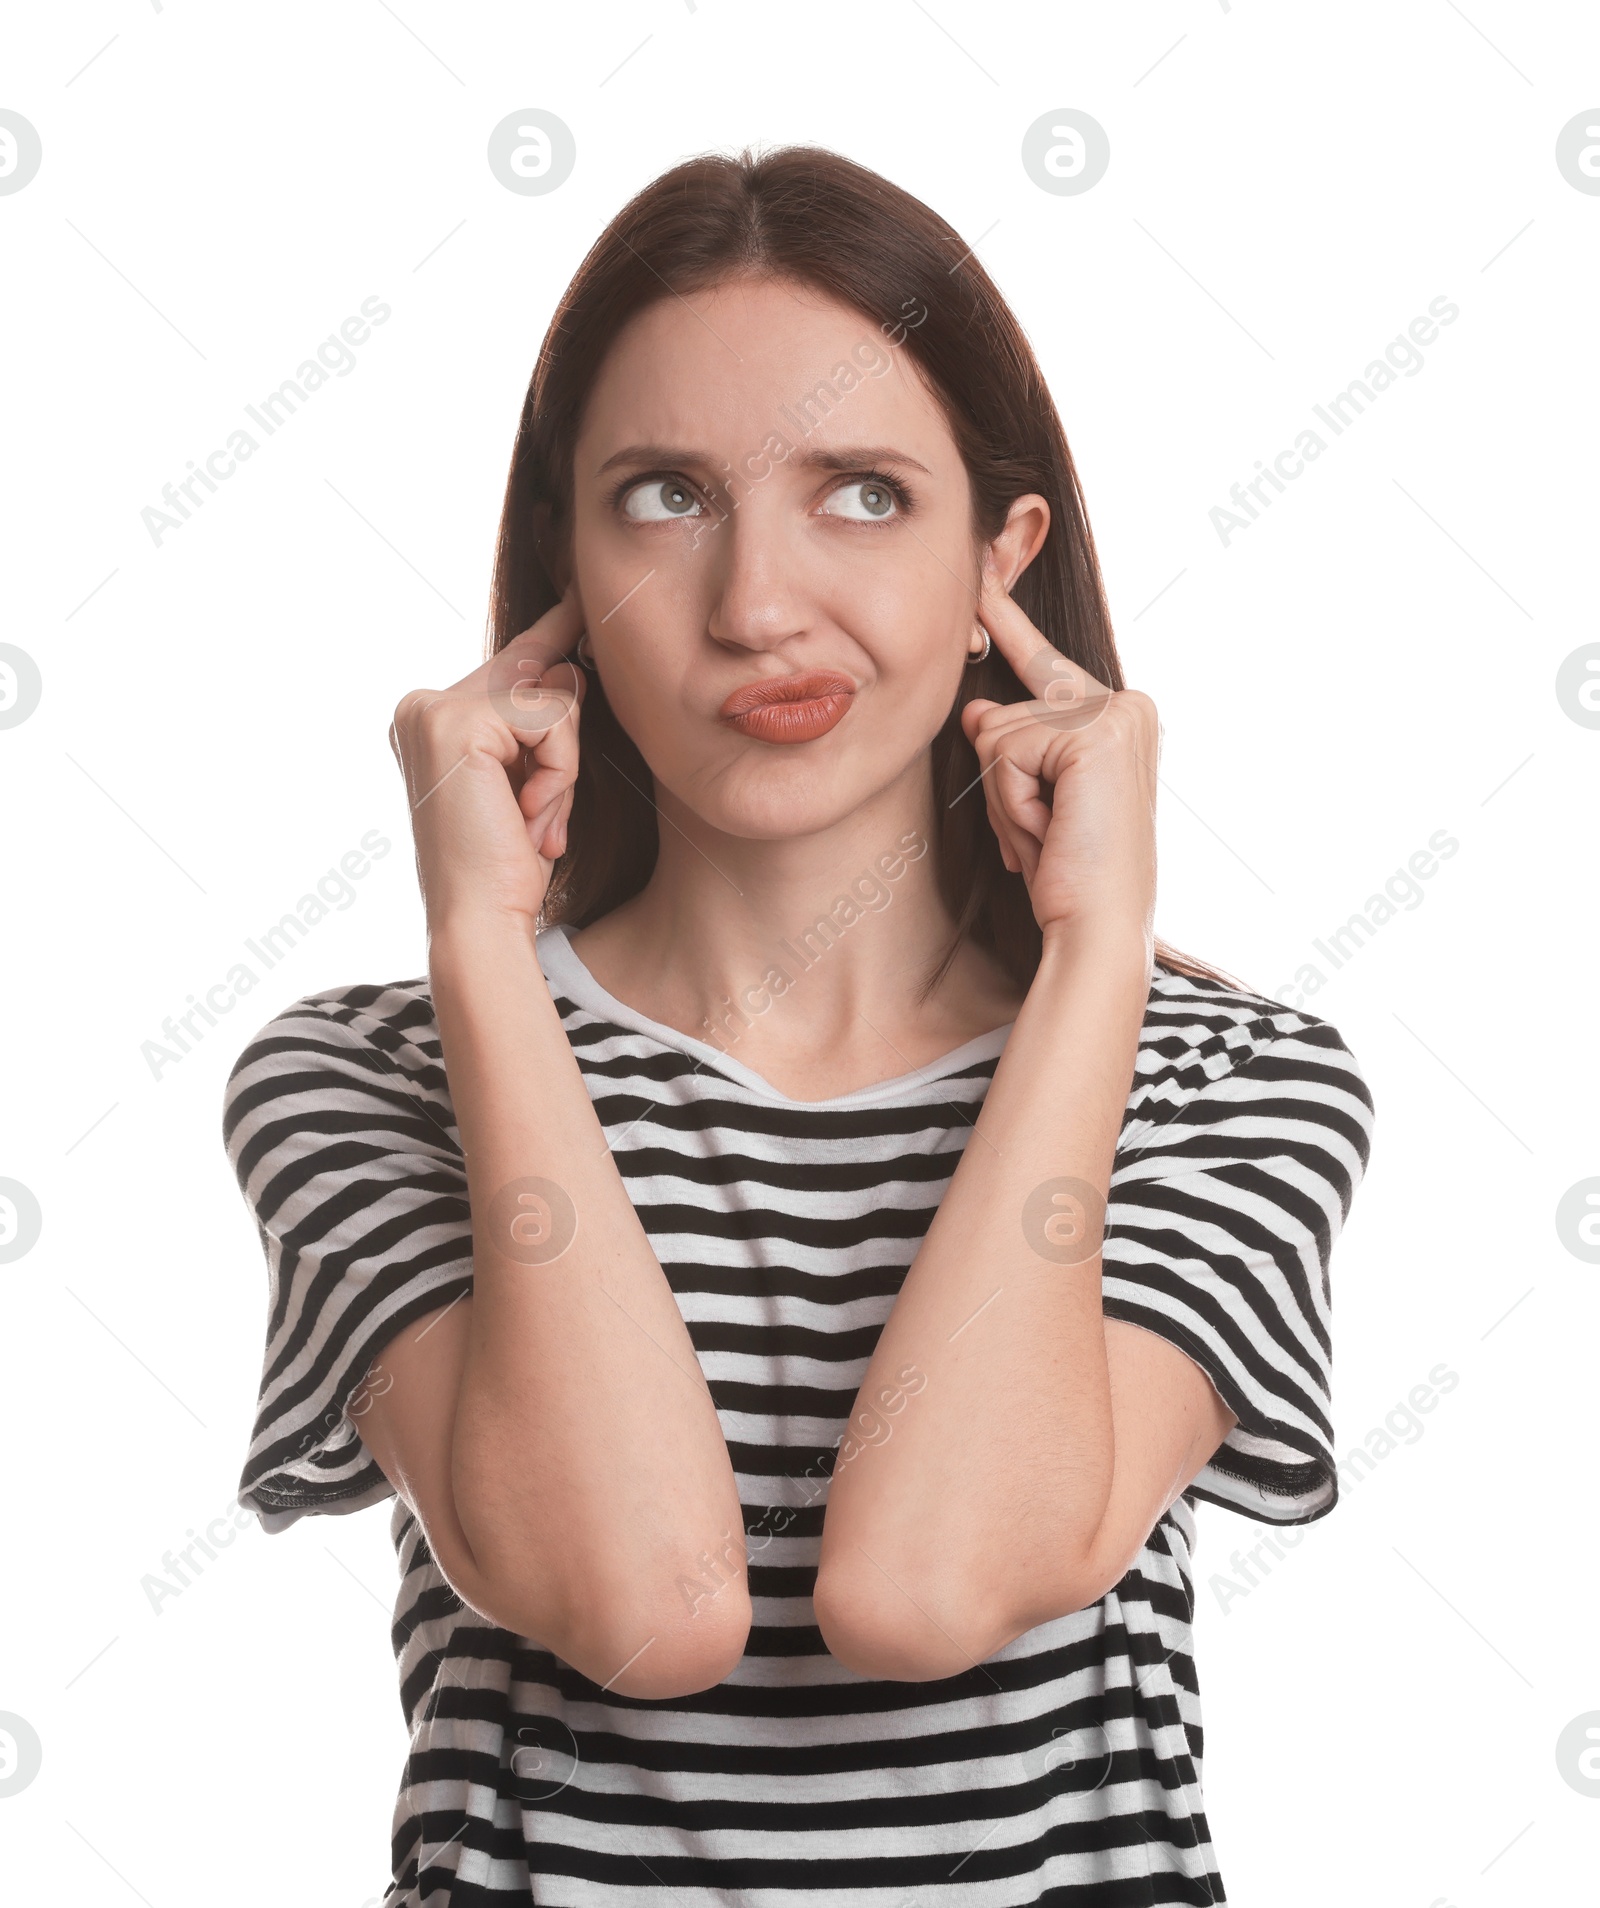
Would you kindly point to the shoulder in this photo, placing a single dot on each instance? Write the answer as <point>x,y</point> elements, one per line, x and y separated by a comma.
<point>1210,1049</point>
<point>378,1039</point>
<point>1190,1020</point>
<point>385,1015</point>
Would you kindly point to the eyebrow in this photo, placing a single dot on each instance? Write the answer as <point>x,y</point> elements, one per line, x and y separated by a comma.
<point>856,457</point>
<point>845,457</point>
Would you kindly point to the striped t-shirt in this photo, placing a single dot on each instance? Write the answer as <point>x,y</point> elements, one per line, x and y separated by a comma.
<point>1065,1768</point>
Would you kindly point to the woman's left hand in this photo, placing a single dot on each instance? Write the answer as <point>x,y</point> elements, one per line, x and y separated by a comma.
<point>1070,780</point>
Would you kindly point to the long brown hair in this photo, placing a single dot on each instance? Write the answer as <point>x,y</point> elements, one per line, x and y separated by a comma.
<point>805,214</point>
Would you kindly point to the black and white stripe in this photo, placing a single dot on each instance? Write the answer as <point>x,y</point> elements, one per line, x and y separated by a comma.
<point>1066,1768</point>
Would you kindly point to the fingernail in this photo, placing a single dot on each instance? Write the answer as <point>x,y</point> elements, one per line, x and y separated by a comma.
<point>989,570</point>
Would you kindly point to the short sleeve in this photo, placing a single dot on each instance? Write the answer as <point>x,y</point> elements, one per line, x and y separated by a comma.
<point>338,1126</point>
<point>1233,1176</point>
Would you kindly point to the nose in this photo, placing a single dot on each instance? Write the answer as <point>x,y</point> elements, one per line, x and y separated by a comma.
<point>758,597</point>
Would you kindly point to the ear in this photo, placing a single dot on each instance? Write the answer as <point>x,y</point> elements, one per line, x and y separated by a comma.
<point>1022,537</point>
<point>551,548</point>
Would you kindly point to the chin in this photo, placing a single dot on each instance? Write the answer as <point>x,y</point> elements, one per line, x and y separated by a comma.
<point>776,798</point>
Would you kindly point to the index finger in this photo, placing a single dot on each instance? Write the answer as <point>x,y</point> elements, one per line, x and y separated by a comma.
<point>1071,695</point>
<point>547,641</point>
<point>514,676</point>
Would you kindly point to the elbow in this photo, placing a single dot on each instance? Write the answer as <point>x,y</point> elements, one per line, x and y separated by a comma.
<point>898,1632</point>
<point>1092,1570</point>
<point>1070,1585</point>
<point>668,1644</point>
<point>658,1654</point>
<point>914,1632</point>
<point>649,1654</point>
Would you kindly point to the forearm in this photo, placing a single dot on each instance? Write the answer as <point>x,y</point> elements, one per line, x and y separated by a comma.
<point>974,1517</point>
<point>588,1465</point>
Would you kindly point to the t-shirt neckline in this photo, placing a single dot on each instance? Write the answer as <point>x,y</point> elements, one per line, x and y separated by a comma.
<point>562,965</point>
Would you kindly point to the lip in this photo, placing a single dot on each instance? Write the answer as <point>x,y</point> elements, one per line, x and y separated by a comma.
<point>790,708</point>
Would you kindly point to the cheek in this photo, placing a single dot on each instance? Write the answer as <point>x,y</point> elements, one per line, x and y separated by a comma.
<point>605,568</point>
<point>908,612</point>
<point>617,568</point>
<point>902,602</point>
<point>620,598</point>
<point>646,617</point>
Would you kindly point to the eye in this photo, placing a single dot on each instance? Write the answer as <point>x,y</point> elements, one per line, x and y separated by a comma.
<point>862,500</point>
<point>658,501</point>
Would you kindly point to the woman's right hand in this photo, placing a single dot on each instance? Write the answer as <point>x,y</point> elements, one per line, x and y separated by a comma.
<point>489,767</point>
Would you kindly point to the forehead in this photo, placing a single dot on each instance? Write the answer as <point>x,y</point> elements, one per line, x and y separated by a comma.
<point>720,368</point>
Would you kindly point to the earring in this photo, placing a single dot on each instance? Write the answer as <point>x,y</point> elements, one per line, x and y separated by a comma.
<point>982,653</point>
<point>585,651</point>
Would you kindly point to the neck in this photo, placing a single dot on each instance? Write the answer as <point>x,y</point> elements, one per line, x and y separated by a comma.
<point>782,950</point>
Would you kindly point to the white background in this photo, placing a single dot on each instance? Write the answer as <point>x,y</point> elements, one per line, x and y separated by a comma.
<point>1372,661</point>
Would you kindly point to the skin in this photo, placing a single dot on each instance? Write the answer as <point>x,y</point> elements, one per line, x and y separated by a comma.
<point>553,1432</point>
<point>769,577</point>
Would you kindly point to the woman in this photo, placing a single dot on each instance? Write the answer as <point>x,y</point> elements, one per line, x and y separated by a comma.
<point>803,1251</point>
